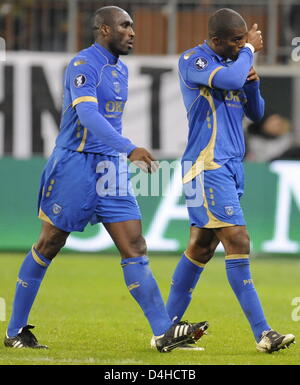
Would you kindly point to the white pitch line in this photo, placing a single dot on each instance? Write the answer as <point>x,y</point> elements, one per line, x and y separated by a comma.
<point>74,360</point>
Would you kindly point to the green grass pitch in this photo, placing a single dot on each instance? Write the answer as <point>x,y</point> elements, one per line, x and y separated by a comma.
<point>85,314</point>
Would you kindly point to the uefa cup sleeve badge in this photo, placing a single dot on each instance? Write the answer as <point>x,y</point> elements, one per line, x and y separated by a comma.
<point>201,63</point>
<point>79,80</point>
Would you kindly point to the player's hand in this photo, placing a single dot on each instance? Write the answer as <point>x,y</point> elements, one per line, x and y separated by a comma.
<point>143,159</point>
<point>252,75</point>
<point>255,38</point>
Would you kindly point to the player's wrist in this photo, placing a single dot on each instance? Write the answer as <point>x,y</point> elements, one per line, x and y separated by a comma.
<point>252,85</point>
<point>250,46</point>
<point>129,149</point>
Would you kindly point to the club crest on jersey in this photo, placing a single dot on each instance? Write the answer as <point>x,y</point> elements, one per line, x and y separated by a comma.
<point>229,210</point>
<point>201,63</point>
<point>79,81</point>
<point>56,208</point>
<point>117,87</point>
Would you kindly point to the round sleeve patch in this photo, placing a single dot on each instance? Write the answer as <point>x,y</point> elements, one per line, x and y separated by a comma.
<point>79,80</point>
<point>201,63</point>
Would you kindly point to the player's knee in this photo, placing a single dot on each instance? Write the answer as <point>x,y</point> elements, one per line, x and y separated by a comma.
<point>139,246</point>
<point>136,248</point>
<point>239,243</point>
<point>50,247</point>
<point>200,254</point>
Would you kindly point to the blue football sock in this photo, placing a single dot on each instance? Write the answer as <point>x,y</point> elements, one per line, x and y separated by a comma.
<point>239,277</point>
<point>29,279</point>
<point>184,280</point>
<point>143,287</point>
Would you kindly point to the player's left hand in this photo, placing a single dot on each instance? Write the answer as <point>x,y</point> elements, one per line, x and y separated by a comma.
<point>252,75</point>
<point>143,159</point>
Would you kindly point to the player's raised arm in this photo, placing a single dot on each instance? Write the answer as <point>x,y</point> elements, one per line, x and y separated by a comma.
<point>255,38</point>
<point>235,76</point>
<point>212,69</point>
<point>226,78</point>
<point>255,105</point>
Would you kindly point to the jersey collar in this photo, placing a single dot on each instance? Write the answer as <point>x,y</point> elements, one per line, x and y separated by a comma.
<point>210,51</point>
<point>111,59</point>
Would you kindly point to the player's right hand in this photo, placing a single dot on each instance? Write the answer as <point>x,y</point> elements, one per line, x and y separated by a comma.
<point>255,38</point>
<point>143,159</point>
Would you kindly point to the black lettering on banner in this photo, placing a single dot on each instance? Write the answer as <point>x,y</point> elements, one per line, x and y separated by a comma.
<point>42,100</point>
<point>156,74</point>
<point>6,108</point>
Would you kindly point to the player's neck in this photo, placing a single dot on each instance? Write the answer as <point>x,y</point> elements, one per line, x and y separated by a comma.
<point>104,45</point>
<point>213,47</point>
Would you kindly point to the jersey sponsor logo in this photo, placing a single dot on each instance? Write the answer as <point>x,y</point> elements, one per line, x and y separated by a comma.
<point>229,210</point>
<point>233,95</point>
<point>79,81</point>
<point>201,63</point>
<point>112,106</point>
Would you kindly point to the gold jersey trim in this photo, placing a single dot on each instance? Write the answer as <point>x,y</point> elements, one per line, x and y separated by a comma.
<point>213,222</point>
<point>211,76</point>
<point>83,141</point>
<point>44,217</point>
<point>84,99</point>
<point>205,160</point>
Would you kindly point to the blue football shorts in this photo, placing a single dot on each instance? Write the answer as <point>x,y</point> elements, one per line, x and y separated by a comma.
<point>213,197</point>
<point>77,188</point>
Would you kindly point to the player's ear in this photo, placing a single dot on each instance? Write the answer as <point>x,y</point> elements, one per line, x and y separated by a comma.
<point>105,30</point>
<point>216,41</point>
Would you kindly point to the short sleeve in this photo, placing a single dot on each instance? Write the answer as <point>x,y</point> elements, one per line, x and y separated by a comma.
<point>82,79</point>
<point>198,69</point>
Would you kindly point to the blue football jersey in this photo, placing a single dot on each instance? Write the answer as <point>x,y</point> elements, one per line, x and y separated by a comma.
<point>94,75</point>
<point>214,115</point>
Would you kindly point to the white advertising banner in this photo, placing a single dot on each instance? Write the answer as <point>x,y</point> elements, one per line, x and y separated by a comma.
<point>31,97</point>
